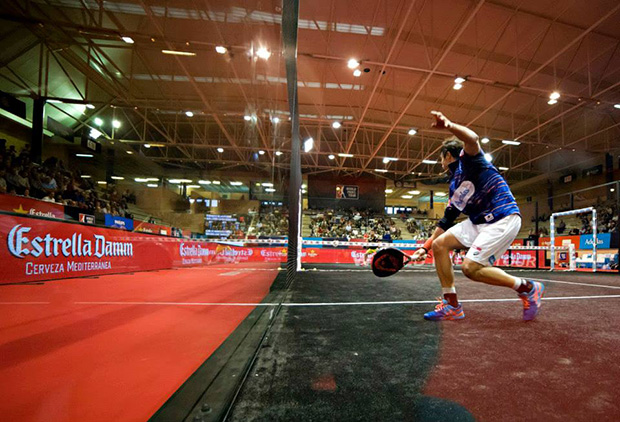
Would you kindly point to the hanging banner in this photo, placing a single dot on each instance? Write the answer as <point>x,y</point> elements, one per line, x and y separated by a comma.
<point>118,222</point>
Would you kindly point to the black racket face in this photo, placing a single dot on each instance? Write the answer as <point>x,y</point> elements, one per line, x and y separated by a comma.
<point>387,262</point>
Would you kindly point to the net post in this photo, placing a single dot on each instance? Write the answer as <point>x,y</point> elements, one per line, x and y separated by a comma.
<point>594,240</point>
<point>572,258</point>
<point>552,235</point>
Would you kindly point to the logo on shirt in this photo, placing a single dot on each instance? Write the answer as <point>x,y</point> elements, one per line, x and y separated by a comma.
<point>488,217</point>
<point>462,195</point>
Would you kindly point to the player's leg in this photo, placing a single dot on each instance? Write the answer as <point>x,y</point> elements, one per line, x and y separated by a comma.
<point>455,238</point>
<point>492,242</point>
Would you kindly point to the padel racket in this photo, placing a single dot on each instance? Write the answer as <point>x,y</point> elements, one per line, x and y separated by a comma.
<point>389,261</point>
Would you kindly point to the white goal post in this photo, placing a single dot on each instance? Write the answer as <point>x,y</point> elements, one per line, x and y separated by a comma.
<point>573,212</point>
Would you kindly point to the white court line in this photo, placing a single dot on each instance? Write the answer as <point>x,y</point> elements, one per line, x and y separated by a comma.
<point>299,304</point>
<point>576,283</point>
<point>25,303</point>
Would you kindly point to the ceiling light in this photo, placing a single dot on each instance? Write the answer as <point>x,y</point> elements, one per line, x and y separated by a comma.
<point>552,102</point>
<point>275,120</point>
<point>270,190</point>
<point>204,182</point>
<point>193,186</point>
<point>279,153</point>
<point>98,121</point>
<point>509,142</point>
<point>406,196</point>
<point>308,145</point>
<point>152,179</point>
<point>53,101</point>
<point>189,114</point>
<point>220,149</point>
<point>414,192</point>
<point>216,182</point>
<point>94,133</point>
<point>389,191</point>
<point>261,152</point>
<point>457,86</point>
<point>247,117</point>
<point>116,124</point>
<point>488,157</point>
<point>102,182</point>
<point>84,155</point>
<point>503,168</point>
<point>128,40</point>
<point>90,106</point>
<point>485,140</point>
<point>304,191</point>
<point>554,95</point>
<point>388,159</point>
<point>612,190</point>
<point>459,80</point>
<point>267,184</point>
<point>345,155</point>
<point>357,73</point>
<point>220,49</point>
<point>429,161</point>
<point>151,185</point>
<point>440,193</point>
<point>117,178</point>
<point>381,170</point>
<point>616,105</point>
<point>141,179</point>
<point>178,53</point>
<point>352,63</point>
<point>303,186</point>
<point>236,183</point>
<point>263,53</point>
<point>129,152</point>
<point>412,132</point>
<point>331,156</point>
<point>86,176</point>
<point>336,125</point>
<point>147,146</point>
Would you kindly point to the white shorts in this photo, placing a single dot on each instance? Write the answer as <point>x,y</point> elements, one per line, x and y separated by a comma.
<point>487,242</point>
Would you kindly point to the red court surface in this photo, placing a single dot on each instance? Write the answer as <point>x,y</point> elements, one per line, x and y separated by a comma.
<point>562,366</point>
<point>106,349</point>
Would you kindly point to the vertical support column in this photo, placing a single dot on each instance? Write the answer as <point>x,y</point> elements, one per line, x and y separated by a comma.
<point>552,234</point>
<point>109,165</point>
<point>36,139</point>
<point>536,227</point>
<point>594,240</point>
<point>572,258</point>
<point>290,22</point>
<point>431,197</point>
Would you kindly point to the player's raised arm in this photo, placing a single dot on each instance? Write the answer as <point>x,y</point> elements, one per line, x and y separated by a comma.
<point>468,136</point>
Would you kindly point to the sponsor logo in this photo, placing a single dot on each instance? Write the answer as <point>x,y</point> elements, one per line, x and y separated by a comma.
<point>87,218</point>
<point>462,195</point>
<point>193,250</point>
<point>20,245</point>
<point>488,217</point>
<point>492,259</point>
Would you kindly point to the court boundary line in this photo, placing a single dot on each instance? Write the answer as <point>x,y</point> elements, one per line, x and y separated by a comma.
<point>314,304</point>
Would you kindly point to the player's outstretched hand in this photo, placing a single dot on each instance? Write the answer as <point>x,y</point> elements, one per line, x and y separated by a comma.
<point>419,255</point>
<point>441,121</point>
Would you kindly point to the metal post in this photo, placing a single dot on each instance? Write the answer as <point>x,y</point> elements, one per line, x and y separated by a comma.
<point>552,234</point>
<point>594,240</point>
<point>36,139</point>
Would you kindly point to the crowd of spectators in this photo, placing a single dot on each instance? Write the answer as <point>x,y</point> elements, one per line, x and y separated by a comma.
<point>607,215</point>
<point>51,181</point>
<point>353,223</point>
<point>270,222</point>
<point>420,229</point>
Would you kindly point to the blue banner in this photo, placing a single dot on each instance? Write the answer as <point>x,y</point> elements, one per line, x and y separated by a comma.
<point>118,222</point>
<point>603,241</point>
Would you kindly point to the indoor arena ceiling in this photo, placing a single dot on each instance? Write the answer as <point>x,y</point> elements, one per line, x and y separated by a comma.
<point>511,54</point>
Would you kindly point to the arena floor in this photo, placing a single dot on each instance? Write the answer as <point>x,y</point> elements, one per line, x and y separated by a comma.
<point>344,346</point>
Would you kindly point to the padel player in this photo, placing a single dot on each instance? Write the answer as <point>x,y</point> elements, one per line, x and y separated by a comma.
<point>478,190</point>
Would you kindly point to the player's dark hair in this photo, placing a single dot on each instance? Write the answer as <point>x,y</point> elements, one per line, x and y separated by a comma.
<point>452,146</point>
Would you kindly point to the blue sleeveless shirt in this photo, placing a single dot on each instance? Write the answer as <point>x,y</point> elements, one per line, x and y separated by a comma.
<point>478,190</point>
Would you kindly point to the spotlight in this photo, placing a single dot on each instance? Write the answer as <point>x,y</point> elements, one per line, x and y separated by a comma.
<point>128,40</point>
<point>98,121</point>
<point>353,63</point>
<point>336,125</point>
<point>90,106</point>
<point>247,118</point>
<point>357,73</point>
<point>459,80</point>
<point>220,149</point>
<point>457,86</point>
<point>278,153</point>
<point>485,140</point>
<point>331,156</point>
<point>488,157</point>
<point>552,102</point>
<point>275,120</point>
<point>116,124</point>
<point>554,95</point>
<point>412,132</point>
<point>220,49</point>
<point>261,152</point>
<point>263,53</point>
<point>308,145</point>
<point>189,114</point>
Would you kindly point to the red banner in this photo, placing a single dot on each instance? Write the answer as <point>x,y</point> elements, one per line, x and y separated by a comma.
<point>518,259</point>
<point>144,227</point>
<point>29,206</point>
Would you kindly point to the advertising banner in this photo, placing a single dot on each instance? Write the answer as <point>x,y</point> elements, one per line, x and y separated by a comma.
<point>30,206</point>
<point>118,222</point>
<point>518,259</point>
<point>603,241</point>
<point>144,227</point>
